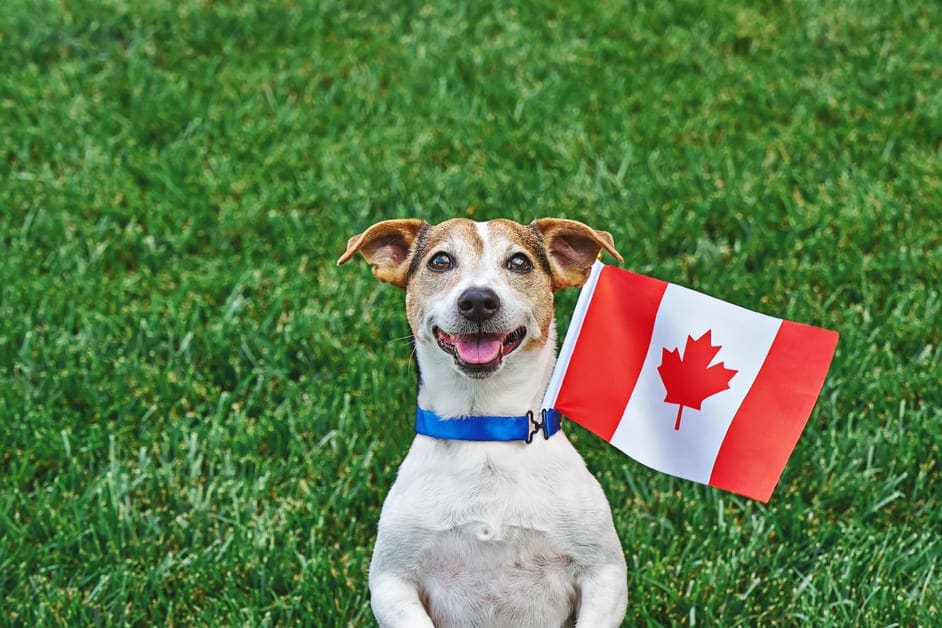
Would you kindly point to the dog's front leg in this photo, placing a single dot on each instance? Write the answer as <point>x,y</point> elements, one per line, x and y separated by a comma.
<point>603,597</point>
<point>396,603</point>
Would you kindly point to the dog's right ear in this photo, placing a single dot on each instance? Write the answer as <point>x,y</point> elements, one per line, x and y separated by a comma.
<point>387,246</point>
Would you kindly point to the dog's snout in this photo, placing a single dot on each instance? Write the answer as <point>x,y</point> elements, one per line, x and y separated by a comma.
<point>478,304</point>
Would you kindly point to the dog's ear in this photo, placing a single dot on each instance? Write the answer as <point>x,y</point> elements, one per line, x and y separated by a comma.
<point>572,248</point>
<point>387,246</point>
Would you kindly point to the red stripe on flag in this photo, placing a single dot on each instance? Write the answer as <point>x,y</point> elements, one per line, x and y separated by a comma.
<point>767,425</point>
<point>617,331</point>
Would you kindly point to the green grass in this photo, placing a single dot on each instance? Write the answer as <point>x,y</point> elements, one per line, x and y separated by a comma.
<point>200,414</point>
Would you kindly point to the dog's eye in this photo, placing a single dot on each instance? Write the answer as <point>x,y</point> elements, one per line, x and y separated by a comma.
<point>519,263</point>
<point>441,262</point>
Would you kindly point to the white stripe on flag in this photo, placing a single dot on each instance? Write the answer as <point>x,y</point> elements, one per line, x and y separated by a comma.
<point>646,431</point>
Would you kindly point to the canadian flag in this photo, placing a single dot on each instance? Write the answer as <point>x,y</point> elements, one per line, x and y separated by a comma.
<point>688,384</point>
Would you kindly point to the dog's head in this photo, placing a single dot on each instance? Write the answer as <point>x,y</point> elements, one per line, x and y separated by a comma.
<point>477,293</point>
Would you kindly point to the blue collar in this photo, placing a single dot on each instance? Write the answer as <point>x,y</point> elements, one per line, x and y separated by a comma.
<point>488,428</point>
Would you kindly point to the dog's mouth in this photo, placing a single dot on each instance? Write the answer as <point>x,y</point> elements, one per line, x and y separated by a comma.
<point>481,353</point>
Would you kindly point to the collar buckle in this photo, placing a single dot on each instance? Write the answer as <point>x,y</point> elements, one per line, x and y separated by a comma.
<point>541,425</point>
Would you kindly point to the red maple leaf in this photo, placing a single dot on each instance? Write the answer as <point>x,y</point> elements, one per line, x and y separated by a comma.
<point>690,379</point>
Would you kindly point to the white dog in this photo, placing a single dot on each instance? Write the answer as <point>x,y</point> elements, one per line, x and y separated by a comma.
<point>493,519</point>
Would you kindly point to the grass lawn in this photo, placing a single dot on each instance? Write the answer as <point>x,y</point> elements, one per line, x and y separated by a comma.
<point>200,414</point>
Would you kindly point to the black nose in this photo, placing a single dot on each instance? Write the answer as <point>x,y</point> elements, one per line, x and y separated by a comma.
<point>478,304</point>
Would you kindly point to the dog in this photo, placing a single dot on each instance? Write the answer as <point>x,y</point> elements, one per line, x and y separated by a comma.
<point>479,532</point>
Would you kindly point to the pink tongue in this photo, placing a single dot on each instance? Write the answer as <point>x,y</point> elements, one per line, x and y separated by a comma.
<point>478,349</point>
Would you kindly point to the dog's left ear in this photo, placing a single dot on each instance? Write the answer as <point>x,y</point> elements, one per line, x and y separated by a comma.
<point>387,246</point>
<point>572,248</point>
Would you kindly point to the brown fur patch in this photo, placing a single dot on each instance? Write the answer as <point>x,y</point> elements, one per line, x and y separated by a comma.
<point>451,237</point>
<point>530,239</point>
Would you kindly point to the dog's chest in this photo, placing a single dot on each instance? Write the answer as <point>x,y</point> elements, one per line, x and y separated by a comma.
<point>490,541</point>
<point>486,575</point>
<point>482,491</point>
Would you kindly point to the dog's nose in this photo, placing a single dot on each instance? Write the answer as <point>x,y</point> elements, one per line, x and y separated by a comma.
<point>478,304</point>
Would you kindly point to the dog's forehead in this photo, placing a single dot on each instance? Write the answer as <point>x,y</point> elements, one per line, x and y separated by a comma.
<point>464,236</point>
<point>513,232</point>
<point>457,233</point>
